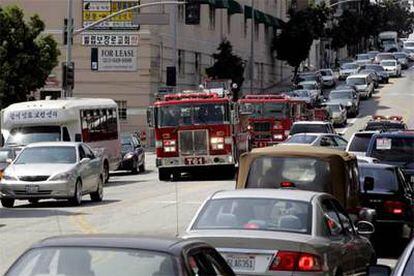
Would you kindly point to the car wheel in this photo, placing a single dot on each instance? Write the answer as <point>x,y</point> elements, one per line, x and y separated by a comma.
<point>76,200</point>
<point>134,168</point>
<point>106,172</point>
<point>98,195</point>
<point>142,167</point>
<point>7,202</point>
<point>33,201</point>
<point>164,174</point>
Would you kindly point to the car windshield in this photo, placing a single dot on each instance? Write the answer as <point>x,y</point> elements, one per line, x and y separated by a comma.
<point>47,155</point>
<point>333,108</point>
<point>301,139</point>
<point>27,135</point>
<point>355,81</point>
<point>377,68</point>
<point>384,126</point>
<point>349,66</point>
<point>326,72</point>
<point>263,110</point>
<point>303,172</point>
<point>310,86</point>
<point>400,55</point>
<point>308,128</point>
<point>308,77</point>
<point>4,155</point>
<point>87,261</point>
<point>388,63</point>
<point>394,149</point>
<point>192,114</point>
<point>360,142</point>
<point>256,214</point>
<point>385,56</point>
<point>362,57</point>
<point>385,180</point>
<point>340,95</point>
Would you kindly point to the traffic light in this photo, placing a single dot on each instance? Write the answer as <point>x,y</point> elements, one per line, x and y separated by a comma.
<point>192,12</point>
<point>65,31</point>
<point>171,76</point>
<point>68,75</point>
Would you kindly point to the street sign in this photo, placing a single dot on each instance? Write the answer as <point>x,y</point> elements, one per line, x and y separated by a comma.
<point>114,59</point>
<point>110,39</point>
<point>93,10</point>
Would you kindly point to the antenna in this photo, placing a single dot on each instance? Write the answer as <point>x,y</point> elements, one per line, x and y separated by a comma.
<point>176,209</point>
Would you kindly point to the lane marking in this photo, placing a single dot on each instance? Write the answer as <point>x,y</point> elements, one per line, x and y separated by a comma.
<point>85,227</point>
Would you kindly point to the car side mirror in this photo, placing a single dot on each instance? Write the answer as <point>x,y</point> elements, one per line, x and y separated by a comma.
<point>368,183</point>
<point>365,227</point>
<point>378,270</point>
<point>85,160</point>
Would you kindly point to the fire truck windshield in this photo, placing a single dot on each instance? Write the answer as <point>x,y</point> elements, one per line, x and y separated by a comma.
<point>268,109</point>
<point>192,114</point>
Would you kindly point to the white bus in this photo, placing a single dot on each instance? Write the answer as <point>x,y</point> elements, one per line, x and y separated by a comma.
<point>92,121</point>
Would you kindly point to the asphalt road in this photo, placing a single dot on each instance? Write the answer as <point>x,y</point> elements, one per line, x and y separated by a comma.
<point>140,204</point>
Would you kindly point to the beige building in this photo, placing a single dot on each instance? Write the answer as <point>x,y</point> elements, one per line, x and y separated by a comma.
<point>133,72</point>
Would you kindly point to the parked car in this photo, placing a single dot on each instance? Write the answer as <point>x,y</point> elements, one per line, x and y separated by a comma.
<point>363,59</point>
<point>358,144</point>
<point>328,140</point>
<point>337,112</point>
<point>392,67</point>
<point>373,74</point>
<point>133,154</point>
<point>385,189</point>
<point>59,170</point>
<point>348,69</point>
<point>7,155</point>
<point>383,56</point>
<point>404,266</point>
<point>363,83</point>
<point>311,127</point>
<point>121,255</point>
<point>348,98</point>
<point>402,58</point>
<point>305,168</point>
<point>394,148</point>
<point>382,74</point>
<point>283,232</point>
<point>328,77</point>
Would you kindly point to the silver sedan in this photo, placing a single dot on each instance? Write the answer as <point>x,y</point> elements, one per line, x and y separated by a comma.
<point>60,170</point>
<point>283,232</point>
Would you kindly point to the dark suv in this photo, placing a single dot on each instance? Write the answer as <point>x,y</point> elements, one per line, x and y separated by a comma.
<point>385,189</point>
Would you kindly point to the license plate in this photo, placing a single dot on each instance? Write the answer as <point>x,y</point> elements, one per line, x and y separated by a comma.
<point>31,189</point>
<point>241,262</point>
<point>194,161</point>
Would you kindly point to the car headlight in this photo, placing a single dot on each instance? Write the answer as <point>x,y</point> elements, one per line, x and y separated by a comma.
<point>129,155</point>
<point>217,143</point>
<point>64,176</point>
<point>348,104</point>
<point>9,177</point>
<point>277,136</point>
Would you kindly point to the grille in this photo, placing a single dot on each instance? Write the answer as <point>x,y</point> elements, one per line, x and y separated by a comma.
<point>262,126</point>
<point>34,178</point>
<point>22,192</point>
<point>193,142</point>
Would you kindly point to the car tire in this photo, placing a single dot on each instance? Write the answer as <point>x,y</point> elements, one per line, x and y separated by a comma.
<point>34,201</point>
<point>97,196</point>
<point>106,171</point>
<point>164,174</point>
<point>7,202</point>
<point>134,169</point>
<point>142,167</point>
<point>76,199</point>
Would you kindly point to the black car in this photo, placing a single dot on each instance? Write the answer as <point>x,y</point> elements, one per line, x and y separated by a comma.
<point>386,189</point>
<point>384,125</point>
<point>96,255</point>
<point>6,156</point>
<point>382,74</point>
<point>133,154</point>
<point>308,76</point>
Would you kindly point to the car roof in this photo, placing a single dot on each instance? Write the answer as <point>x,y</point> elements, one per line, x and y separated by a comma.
<point>397,133</point>
<point>300,151</point>
<point>358,76</point>
<point>53,144</point>
<point>377,166</point>
<point>167,245</point>
<point>311,123</point>
<point>289,194</point>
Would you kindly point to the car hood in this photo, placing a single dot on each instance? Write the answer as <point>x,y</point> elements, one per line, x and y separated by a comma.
<point>38,169</point>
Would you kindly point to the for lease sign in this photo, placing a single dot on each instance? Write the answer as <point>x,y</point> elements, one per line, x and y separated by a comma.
<point>117,59</point>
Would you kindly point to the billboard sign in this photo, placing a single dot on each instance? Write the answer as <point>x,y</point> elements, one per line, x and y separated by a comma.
<point>114,59</point>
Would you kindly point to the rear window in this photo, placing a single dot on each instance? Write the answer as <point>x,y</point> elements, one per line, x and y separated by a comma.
<point>385,180</point>
<point>360,142</point>
<point>393,149</point>
<point>384,126</point>
<point>307,173</point>
<point>301,139</point>
<point>309,128</point>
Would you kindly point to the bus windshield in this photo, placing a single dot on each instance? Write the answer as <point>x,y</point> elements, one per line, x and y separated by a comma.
<point>192,114</point>
<point>25,135</point>
<point>265,110</point>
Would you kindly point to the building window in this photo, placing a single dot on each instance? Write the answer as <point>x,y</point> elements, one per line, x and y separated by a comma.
<point>122,110</point>
<point>212,17</point>
<point>181,63</point>
<point>197,63</point>
<point>229,23</point>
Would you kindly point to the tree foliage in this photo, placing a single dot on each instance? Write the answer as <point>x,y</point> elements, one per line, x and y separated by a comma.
<point>26,56</point>
<point>295,40</point>
<point>227,65</point>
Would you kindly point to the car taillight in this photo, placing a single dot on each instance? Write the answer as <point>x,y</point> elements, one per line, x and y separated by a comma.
<point>296,261</point>
<point>394,207</point>
<point>287,184</point>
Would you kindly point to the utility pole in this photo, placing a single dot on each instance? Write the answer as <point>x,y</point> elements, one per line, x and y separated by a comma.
<point>68,88</point>
<point>174,42</point>
<point>252,51</point>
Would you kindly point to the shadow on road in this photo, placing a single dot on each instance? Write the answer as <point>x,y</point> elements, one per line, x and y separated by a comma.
<point>33,213</point>
<point>123,182</point>
<point>61,204</point>
<point>127,173</point>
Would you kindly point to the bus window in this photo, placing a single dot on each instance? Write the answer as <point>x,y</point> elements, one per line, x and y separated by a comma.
<point>66,136</point>
<point>25,135</point>
<point>99,125</point>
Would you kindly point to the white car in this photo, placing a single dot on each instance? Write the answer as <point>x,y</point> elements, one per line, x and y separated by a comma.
<point>329,140</point>
<point>328,77</point>
<point>392,67</point>
<point>348,69</point>
<point>359,142</point>
<point>312,87</point>
<point>311,127</point>
<point>363,83</point>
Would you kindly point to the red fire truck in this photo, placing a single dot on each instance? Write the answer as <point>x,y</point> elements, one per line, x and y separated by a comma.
<point>196,130</point>
<point>271,117</point>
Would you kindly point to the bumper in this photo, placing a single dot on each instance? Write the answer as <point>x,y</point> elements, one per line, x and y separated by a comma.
<point>41,190</point>
<point>195,161</point>
<point>392,73</point>
<point>126,164</point>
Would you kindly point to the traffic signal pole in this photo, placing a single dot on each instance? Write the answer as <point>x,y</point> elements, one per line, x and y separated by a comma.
<point>68,88</point>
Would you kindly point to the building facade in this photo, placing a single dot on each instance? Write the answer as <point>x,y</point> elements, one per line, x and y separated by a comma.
<point>128,64</point>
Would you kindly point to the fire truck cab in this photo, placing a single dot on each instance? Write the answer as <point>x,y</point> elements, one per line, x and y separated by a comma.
<point>271,117</point>
<point>196,129</point>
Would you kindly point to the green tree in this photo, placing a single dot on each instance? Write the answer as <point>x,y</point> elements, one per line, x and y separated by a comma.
<point>295,40</point>
<point>227,66</point>
<point>26,56</point>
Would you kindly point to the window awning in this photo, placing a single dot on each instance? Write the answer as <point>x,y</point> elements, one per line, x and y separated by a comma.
<point>259,16</point>
<point>234,7</point>
<point>247,12</point>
